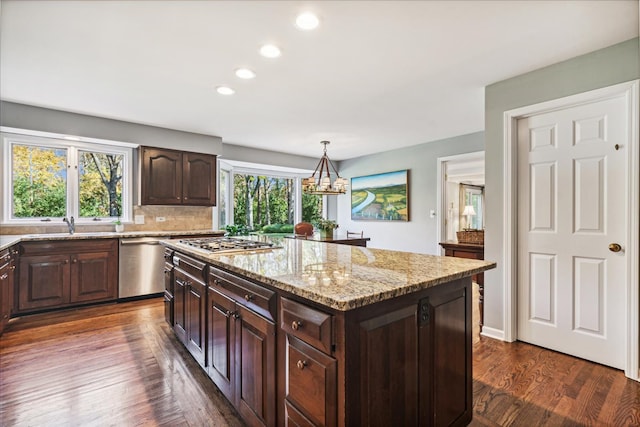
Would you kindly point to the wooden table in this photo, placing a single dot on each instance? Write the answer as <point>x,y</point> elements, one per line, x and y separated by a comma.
<point>342,240</point>
<point>472,251</point>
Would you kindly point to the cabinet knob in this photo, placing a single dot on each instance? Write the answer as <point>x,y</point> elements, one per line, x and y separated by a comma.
<point>66,261</point>
<point>235,315</point>
<point>215,282</point>
<point>75,260</point>
<point>4,276</point>
<point>248,297</point>
<point>296,324</point>
<point>301,364</point>
<point>178,198</point>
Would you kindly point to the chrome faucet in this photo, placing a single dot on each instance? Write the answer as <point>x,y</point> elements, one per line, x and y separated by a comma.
<point>71,224</point>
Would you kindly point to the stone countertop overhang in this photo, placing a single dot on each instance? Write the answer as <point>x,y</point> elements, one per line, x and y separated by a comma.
<point>10,240</point>
<point>341,277</point>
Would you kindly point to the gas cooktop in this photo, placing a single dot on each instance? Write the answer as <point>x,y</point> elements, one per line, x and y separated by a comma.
<point>226,244</point>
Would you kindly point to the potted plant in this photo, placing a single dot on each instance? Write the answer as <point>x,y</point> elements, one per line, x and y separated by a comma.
<point>119,225</point>
<point>326,227</point>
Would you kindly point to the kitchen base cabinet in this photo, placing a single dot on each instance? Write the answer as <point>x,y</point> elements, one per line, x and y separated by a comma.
<point>190,305</point>
<point>242,347</point>
<point>61,274</point>
<point>284,360</point>
<point>7,269</point>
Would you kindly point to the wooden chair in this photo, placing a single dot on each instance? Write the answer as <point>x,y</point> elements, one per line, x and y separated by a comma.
<point>355,234</point>
<point>303,228</point>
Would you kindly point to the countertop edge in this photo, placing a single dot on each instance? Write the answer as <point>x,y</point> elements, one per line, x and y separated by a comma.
<point>8,240</point>
<point>328,302</point>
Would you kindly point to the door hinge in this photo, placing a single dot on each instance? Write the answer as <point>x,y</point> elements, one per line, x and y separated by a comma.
<point>424,312</point>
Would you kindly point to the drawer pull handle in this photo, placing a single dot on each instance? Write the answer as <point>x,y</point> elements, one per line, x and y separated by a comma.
<point>248,297</point>
<point>4,276</point>
<point>301,364</point>
<point>296,324</point>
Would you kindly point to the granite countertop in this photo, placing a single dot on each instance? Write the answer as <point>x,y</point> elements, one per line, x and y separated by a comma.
<point>342,277</point>
<point>10,240</point>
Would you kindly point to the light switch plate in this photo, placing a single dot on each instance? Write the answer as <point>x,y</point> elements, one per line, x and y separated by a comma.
<point>432,213</point>
<point>139,219</point>
<point>160,219</point>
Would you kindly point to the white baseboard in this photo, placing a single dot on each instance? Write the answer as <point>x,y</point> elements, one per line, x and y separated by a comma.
<point>497,334</point>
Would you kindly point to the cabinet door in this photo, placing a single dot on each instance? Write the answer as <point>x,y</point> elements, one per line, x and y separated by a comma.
<point>5,302</point>
<point>199,179</point>
<point>93,276</point>
<point>311,383</point>
<point>44,281</point>
<point>255,369</point>
<point>161,177</point>
<point>445,351</point>
<point>196,308</point>
<point>221,342</point>
<point>179,307</point>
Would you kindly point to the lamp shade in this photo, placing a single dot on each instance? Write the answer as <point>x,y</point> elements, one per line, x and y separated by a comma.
<point>468,210</point>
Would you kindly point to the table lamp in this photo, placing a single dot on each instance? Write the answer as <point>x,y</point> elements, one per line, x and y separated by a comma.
<point>468,212</point>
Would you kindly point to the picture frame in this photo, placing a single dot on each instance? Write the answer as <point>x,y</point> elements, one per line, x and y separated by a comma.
<point>380,197</point>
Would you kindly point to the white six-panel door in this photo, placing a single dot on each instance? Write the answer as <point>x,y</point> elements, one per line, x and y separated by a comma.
<point>572,178</point>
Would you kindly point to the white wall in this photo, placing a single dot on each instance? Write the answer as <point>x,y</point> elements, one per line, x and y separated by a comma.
<point>419,233</point>
<point>605,67</point>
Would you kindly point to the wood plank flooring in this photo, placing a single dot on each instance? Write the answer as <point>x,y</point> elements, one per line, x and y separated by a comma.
<point>120,365</point>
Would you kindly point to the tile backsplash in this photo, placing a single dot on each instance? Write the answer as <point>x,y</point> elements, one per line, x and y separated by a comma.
<point>176,218</point>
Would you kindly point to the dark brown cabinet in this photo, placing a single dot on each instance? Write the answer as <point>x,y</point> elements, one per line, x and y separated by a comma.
<point>471,251</point>
<point>283,360</point>
<point>7,269</point>
<point>242,346</point>
<point>190,305</point>
<point>58,274</point>
<point>172,177</point>
<point>168,286</point>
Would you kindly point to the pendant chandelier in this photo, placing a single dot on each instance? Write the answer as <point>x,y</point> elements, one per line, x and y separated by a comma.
<point>321,181</point>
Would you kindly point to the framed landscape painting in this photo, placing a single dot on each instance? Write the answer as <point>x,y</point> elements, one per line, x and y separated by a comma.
<point>380,197</point>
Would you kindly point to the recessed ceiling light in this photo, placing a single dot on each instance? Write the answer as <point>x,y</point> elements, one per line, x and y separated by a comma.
<point>270,51</point>
<point>307,21</point>
<point>245,73</point>
<point>225,90</point>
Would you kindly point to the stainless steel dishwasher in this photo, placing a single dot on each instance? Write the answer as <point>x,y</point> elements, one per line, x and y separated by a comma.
<point>140,271</point>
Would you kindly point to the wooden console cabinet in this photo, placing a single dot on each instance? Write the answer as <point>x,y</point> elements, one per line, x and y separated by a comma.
<point>58,274</point>
<point>171,177</point>
<point>471,251</point>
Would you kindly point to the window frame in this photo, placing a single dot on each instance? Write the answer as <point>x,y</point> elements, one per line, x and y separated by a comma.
<point>73,145</point>
<point>265,170</point>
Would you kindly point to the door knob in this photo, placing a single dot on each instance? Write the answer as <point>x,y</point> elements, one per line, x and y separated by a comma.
<point>614,247</point>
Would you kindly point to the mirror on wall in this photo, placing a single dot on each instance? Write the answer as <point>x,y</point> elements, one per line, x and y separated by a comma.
<point>471,207</point>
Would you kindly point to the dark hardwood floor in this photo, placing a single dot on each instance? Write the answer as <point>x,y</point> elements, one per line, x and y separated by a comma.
<point>120,365</point>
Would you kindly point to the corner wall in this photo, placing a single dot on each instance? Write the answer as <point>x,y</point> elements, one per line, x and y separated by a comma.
<point>615,64</point>
<point>419,233</point>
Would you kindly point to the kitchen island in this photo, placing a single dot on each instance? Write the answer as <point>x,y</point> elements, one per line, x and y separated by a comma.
<point>314,333</point>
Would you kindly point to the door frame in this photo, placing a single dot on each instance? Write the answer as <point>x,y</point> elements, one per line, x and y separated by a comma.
<point>441,189</point>
<point>629,91</point>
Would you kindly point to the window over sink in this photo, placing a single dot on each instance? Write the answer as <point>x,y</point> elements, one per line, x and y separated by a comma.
<point>47,178</point>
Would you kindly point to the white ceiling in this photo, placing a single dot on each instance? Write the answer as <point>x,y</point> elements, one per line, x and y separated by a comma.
<point>376,75</point>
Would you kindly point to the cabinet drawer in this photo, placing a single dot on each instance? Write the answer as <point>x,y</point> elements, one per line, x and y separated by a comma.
<point>311,383</point>
<point>63,246</point>
<point>244,292</point>
<point>306,323</point>
<point>190,265</point>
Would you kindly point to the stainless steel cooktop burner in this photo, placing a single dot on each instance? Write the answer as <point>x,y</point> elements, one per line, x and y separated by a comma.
<point>226,244</point>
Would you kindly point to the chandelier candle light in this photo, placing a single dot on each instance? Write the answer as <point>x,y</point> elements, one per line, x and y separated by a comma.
<point>320,181</point>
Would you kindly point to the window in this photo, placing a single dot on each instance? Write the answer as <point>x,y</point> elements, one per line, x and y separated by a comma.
<point>263,200</point>
<point>48,178</point>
